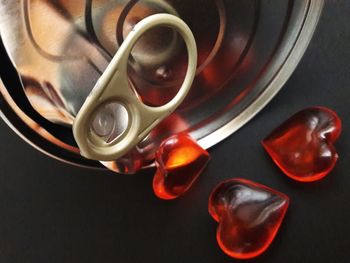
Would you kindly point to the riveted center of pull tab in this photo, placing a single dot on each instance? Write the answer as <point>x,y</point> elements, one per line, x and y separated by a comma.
<point>110,121</point>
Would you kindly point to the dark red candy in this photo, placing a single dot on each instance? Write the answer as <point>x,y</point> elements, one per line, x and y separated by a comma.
<point>303,146</point>
<point>180,160</point>
<point>249,216</point>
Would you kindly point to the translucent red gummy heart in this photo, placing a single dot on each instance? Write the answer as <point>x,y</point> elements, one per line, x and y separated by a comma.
<point>303,146</point>
<point>180,160</point>
<point>249,216</point>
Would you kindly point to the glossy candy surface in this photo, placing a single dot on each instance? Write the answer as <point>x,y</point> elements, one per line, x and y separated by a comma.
<point>180,160</point>
<point>303,146</point>
<point>249,216</point>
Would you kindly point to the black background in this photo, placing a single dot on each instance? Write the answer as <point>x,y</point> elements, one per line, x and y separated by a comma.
<point>53,212</point>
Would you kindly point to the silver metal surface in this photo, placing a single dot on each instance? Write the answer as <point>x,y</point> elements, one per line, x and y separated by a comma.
<point>247,51</point>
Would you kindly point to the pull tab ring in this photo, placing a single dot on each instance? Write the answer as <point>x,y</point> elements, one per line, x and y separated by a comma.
<point>113,87</point>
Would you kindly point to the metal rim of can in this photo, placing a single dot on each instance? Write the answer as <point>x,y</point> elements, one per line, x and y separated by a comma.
<point>22,128</point>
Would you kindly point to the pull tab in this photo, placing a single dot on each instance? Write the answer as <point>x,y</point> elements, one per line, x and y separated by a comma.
<point>101,115</point>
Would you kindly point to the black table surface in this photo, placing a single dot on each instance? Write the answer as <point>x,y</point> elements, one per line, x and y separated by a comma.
<point>52,212</point>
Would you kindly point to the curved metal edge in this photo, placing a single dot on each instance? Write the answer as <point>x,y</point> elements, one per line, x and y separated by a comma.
<point>36,146</point>
<point>294,58</point>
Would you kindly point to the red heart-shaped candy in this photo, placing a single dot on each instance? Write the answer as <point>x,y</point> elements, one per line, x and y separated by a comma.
<point>303,146</point>
<point>249,216</point>
<point>180,160</point>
